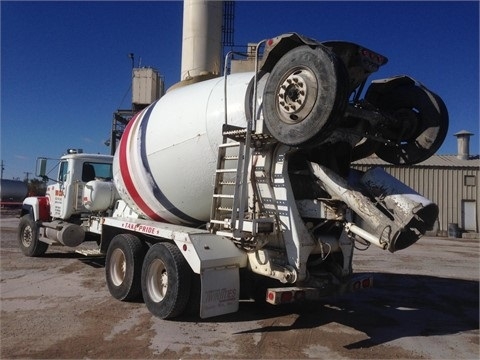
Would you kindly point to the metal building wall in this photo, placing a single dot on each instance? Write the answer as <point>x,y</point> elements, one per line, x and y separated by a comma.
<point>444,186</point>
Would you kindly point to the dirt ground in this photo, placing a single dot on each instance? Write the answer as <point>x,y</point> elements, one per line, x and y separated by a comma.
<point>424,305</point>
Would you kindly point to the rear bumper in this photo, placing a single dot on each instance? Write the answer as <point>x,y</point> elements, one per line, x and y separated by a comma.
<point>286,295</point>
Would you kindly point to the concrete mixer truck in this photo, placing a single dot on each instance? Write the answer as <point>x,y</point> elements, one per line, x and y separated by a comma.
<point>241,186</point>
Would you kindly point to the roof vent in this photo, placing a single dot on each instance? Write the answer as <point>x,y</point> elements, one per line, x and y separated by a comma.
<point>463,144</point>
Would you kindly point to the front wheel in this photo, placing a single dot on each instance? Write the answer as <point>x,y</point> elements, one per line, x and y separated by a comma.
<point>28,237</point>
<point>166,280</point>
<point>123,267</point>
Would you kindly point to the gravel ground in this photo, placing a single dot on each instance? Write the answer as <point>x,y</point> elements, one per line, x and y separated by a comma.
<point>425,305</point>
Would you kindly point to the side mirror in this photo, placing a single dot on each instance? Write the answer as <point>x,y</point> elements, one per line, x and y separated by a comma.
<point>41,169</point>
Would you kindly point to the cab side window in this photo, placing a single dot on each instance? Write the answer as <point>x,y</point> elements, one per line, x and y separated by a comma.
<point>63,172</point>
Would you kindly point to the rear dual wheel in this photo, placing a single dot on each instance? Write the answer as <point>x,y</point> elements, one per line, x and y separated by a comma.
<point>123,267</point>
<point>166,281</point>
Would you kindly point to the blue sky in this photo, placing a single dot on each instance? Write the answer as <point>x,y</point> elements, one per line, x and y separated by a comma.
<point>65,67</point>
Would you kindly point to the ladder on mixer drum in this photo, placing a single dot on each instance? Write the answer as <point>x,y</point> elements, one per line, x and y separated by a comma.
<point>229,195</point>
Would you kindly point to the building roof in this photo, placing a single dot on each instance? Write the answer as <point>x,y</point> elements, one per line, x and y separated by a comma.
<point>443,161</point>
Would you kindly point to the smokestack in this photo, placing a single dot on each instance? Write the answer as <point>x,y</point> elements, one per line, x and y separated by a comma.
<point>463,144</point>
<point>202,39</point>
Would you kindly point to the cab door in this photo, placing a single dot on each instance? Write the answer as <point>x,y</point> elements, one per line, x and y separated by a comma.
<point>58,192</point>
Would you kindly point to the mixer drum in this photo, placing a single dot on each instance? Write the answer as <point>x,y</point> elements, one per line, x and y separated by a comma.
<point>165,164</point>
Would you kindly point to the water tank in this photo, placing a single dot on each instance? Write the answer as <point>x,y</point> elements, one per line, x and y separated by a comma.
<point>165,164</point>
<point>13,190</point>
<point>99,195</point>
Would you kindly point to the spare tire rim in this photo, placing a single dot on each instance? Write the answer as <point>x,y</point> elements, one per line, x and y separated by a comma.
<point>296,95</point>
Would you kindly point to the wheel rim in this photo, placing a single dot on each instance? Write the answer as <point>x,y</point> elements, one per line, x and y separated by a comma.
<point>118,267</point>
<point>296,95</point>
<point>27,236</point>
<point>157,281</point>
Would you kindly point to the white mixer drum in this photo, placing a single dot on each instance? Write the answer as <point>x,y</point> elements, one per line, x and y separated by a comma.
<point>165,164</point>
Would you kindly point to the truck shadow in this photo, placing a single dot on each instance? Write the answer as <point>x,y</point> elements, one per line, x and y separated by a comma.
<point>96,261</point>
<point>399,306</point>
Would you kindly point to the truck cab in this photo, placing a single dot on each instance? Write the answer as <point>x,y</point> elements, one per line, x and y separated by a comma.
<point>82,188</point>
<point>75,170</point>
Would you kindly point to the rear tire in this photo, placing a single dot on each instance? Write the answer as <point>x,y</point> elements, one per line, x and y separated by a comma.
<point>123,267</point>
<point>28,237</point>
<point>166,281</point>
<point>304,94</point>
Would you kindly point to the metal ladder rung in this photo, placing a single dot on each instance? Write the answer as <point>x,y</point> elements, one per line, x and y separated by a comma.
<point>225,233</point>
<point>224,208</point>
<point>232,129</point>
<point>228,183</point>
<point>221,222</point>
<point>229,144</point>
<point>222,171</point>
<point>223,196</point>
<point>230,157</point>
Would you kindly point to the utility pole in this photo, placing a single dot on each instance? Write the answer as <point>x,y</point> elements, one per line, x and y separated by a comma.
<point>3,168</point>
<point>27,173</point>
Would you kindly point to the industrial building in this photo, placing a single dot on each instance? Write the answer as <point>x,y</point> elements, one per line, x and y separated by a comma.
<point>451,181</point>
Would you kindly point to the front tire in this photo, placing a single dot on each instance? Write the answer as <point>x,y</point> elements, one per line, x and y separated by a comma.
<point>28,238</point>
<point>166,281</point>
<point>304,94</point>
<point>123,267</point>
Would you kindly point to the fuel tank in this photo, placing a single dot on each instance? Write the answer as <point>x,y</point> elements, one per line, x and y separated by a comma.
<point>165,163</point>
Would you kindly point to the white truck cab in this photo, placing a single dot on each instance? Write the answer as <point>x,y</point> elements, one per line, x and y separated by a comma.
<point>82,188</point>
<point>76,169</point>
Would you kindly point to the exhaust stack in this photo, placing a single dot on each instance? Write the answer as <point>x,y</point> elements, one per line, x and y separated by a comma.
<point>399,217</point>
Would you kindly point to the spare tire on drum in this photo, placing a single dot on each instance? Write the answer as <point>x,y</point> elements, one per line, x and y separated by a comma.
<point>305,92</point>
<point>420,120</point>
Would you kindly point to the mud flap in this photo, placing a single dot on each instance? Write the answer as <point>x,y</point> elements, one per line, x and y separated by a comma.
<point>220,291</point>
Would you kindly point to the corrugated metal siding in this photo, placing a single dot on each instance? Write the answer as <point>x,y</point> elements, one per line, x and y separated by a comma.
<point>433,161</point>
<point>444,186</point>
